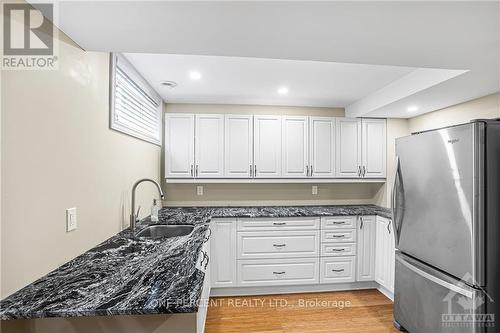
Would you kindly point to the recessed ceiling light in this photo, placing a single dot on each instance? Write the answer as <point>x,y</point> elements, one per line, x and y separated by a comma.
<point>283,90</point>
<point>412,108</point>
<point>194,75</point>
<point>168,84</point>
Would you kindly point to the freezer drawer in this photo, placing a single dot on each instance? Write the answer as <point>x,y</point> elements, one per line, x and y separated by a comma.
<point>429,301</point>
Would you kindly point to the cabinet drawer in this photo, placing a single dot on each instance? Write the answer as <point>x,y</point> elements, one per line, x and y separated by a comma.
<point>339,269</point>
<point>272,244</point>
<point>268,272</point>
<point>278,223</point>
<point>338,249</point>
<point>338,236</point>
<point>338,222</point>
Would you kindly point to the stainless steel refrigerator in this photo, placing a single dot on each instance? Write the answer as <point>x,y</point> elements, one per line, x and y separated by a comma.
<point>446,207</point>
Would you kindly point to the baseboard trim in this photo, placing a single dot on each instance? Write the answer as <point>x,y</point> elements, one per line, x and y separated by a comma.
<point>386,292</point>
<point>270,290</point>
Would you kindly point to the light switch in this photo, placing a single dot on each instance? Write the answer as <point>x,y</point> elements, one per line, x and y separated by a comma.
<point>71,223</point>
<point>199,190</point>
<point>314,190</point>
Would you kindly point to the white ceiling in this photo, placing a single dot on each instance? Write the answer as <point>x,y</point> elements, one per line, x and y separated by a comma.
<point>462,36</point>
<point>256,81</point>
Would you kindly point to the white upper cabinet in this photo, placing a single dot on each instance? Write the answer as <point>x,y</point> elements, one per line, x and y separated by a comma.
<point>295,147</point>
<point>366,248</point>
<point>348,147</point>
<point>374,148</point>
<point>179,145</point>
<point>322,147</point>
<point>267,146</point>
<point>361,148</point>
<point>209,151</point>
<point>217,146</point>
<point>238,146</point>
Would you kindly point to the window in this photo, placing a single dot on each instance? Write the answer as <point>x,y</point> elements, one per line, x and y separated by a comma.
<point>135,107</point>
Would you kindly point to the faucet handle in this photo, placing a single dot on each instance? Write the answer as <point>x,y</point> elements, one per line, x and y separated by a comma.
<point>137,214</point>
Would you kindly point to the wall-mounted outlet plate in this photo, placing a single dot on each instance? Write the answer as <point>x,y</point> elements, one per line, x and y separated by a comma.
<point>199,190</point>
<point>71,223</point>
<point>314,190</point>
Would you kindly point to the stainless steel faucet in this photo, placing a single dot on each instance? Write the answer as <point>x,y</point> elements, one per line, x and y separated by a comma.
<point>134,218</point>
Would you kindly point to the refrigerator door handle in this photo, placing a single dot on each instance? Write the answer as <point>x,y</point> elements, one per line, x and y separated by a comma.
<point>395,205</point>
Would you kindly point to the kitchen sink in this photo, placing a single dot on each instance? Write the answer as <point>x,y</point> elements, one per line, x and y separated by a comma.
<point>165,231</point>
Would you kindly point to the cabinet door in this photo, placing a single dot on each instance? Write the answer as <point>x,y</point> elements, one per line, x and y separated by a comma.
<point>295,147</point>
<point>238,146</point>
<point>348,147</point>
<point>322,146</point>
<point>209,151</point>
<point>384,263</point>
<point>179,145</point>
<point>223,253</point>
<point>267,146</point>
<point>373,148</point>
<point>366,248</point>
<point>392,259</point>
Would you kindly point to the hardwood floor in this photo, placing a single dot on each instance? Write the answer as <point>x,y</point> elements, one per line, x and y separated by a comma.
<point>360,311</point>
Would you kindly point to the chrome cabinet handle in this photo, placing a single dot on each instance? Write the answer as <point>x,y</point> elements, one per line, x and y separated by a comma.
<point>338,236</point>
<point>307,170</point>
<point>255,170</point>
<point>338,250</point>
<point>251,171</point>
<point>337,270</point>
<point>204,257</point>
<point>279,223</point>
<point>279,245</point>
<point>338,222</point>
<point>192,170</point>
<point>208,237</point>
<point>196,170</point>
<point>208,259</point>
<point>361,222</point>
<point>278,273</point>
<point>364,170</point>
<point>359,170</point>
<point>311,167</point>
<point>389,227</point>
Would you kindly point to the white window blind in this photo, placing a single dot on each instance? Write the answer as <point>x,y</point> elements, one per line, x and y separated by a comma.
<point>136,107</point>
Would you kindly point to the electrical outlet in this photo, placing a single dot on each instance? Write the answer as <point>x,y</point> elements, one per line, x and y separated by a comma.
<point>199,190</point>
<point>71,223</point>
<point>314,190</point>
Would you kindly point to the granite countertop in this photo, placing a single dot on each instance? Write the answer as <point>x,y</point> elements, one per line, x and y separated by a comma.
<point>127,275</point>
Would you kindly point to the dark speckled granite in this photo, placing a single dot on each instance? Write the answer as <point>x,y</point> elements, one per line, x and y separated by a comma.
<point>128,275</point>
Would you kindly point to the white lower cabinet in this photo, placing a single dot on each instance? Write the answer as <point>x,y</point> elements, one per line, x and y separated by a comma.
<point>338,235</point>
<point>272,244</point>
<point>338,249</point>
<point>223,253</point>
<point>384,252</point>
<point>294,251</point>
<point>341,269</point>
<point>270,272</point>
<point>366,248</point>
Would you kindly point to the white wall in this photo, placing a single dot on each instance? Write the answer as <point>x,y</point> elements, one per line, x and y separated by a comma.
<point>486,107</point>
<point>58,152</point>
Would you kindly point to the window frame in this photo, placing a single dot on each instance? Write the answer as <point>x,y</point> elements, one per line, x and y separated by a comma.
<point>117,59</point>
